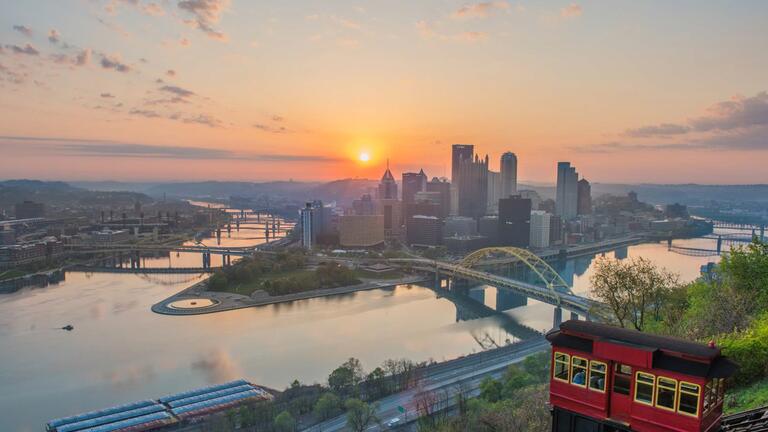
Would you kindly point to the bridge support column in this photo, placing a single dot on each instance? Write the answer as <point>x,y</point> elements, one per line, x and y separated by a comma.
<point>574,315</point>
<point>557,319</point>
<point>719,244</point>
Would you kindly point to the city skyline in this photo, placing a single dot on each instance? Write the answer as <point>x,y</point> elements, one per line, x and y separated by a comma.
<point>167,90</point>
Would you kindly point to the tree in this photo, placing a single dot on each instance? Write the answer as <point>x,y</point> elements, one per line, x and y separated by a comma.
<point>746,270</point>
<point>513,380</point>
<point>284,422</point>
<point>360,415</point>
<point>376,383</point>
<point>346,376</point>
<point>632,289</point>
<point>490,389</point>
<point>328,405</point>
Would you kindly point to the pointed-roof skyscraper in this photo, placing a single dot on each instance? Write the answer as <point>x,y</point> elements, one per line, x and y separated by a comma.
<point>388,185</point>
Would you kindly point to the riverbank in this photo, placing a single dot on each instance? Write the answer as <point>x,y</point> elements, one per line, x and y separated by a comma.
<point>223,301</point>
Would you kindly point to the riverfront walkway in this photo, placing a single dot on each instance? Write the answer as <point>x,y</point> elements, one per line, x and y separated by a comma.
<point>228,301</point>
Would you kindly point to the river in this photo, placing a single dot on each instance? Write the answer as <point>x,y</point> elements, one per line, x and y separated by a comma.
<point>120,351</point>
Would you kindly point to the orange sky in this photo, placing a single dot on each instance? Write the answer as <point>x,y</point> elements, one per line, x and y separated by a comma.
<point>175,90</point>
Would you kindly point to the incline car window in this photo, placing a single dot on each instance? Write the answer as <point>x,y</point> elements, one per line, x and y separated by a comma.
<point>644,388</point>
<point>622,379</point>
<point>689,399</point>
<point>666,393</point>
<point>579,371</point>
<point>597,375</point>
<point>562,362</point>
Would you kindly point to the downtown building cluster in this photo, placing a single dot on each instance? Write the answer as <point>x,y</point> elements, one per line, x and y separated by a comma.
<point>477,208</point>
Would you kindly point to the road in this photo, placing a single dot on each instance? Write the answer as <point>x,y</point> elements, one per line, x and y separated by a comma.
<point>446,380</point>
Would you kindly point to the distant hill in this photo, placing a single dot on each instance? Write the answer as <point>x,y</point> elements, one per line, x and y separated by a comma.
<point>690,194</point>
<point>60,194</point>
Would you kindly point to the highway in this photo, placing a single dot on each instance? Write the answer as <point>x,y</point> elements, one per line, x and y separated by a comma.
<point>446,380</point>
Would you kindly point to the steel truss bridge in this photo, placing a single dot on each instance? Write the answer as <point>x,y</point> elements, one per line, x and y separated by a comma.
<point>555,290</point>
<point>215,250</point>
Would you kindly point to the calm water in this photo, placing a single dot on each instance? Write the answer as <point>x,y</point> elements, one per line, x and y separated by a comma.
<point>120,351</point>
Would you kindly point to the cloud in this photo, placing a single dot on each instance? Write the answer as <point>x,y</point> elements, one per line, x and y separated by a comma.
<point>83,58</point>
<point>426,31</point>
<point>26,31</point>
<point>107,95</point>
<point>178,91</point>
<point>663,129</point>
<point>27,49</point>
<point>203,119</point>
<point>150,8</point>
<point>114,63</point>
<point>346,23</point>
<point>206,14</point>
<point>153,9</point>
<point>480,10</point>
<point>739,112</point>
<point>277,118</point>
<point>75,147</point>
<point>184,42</point>
<point>170,73</point>
<point>144,113</point>
<point>270,129</point>
<point>571,11</point>
<point>54,36</point>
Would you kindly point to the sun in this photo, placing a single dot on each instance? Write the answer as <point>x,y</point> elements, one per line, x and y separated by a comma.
<point>364,157</point>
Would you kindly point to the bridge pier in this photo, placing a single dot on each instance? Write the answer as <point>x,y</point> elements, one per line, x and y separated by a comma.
<point>719,244</point>
<point>557,319</point>
<point>574,315</point>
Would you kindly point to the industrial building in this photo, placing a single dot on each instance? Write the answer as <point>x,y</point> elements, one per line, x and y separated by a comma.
<point>164,413</point>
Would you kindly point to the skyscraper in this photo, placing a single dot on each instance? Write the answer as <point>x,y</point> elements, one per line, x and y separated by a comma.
<point>444,188</point>
<point>473,187</point>
<point>508,168</point>
<point>566,202</point>
<point>540,229</point>
<point>460,152</point>
<point>514,221</point>
<point>494,192</point>
<point>584,198</point>
<point>307,226</point>
<point>412,183</point>
<point>388,185</point>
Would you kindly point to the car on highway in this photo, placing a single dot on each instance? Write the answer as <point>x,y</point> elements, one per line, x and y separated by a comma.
<point>393,423</point>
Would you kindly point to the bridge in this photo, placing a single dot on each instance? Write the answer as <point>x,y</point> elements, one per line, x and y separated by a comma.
<point>555,290</point>
<point>143,270</point>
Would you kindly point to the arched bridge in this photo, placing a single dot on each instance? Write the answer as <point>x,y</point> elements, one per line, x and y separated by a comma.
<point>555,290</point>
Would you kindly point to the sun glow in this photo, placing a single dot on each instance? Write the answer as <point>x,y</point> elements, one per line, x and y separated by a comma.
<point>364,157</point>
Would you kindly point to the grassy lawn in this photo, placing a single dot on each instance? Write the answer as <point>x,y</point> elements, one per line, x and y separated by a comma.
<point>746,398</point>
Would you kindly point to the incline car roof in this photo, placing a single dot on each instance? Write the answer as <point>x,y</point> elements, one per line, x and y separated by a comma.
<point>634,337</point>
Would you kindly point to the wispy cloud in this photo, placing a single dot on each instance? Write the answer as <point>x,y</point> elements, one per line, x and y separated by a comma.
<point>26,31</point>
<point>27,49</point>
<point>571,11</point>
<point>54,36</point>
<point>108,62</point>
<point>480,10</point>
<point>427,31</point>
<point>178,91</point>
<point>663,129</point>
<point>74,147</point>
<point>206,14</point>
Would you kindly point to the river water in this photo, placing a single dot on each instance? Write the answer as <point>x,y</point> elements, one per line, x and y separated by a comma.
<point>120,351</point>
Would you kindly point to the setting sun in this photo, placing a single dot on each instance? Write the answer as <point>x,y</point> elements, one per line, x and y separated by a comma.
<point>364,157</point>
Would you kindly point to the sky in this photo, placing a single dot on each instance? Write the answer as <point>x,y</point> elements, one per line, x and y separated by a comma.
<point>160,90</point>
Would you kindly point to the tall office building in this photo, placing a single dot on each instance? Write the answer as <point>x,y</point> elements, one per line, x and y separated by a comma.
<point>444,189</point>
<point>514,221</point>
<point>566,202</point>
<point>494,192</point>
<point>388,185</point>
<point>363,206</point>
<point>584,193</point>
<point>473,187</point>
<point>412,183</point>
<point>540,229</point>
<point>459,152</point>
<point>508,168</point>
<point>307,226</point>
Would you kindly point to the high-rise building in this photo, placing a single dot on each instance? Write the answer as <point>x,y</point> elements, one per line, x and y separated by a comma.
<point>540,229</point>
<point>363,206</point>
<point>514,221</point>
<point>388,185</point>
<point>494,192</point>
<point>444,189</point>
<point>566,201</point>
<point>423,230</point>
<point>473,187</point>
<point>413,183</point>
<point>307,226</point>
<point>584,193</point>
<point>392,211</point>
<point>361,231</point>
<point>555,229</point>
<point>533,196</point>
<point>460,152</point>
<point>508,167</point>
